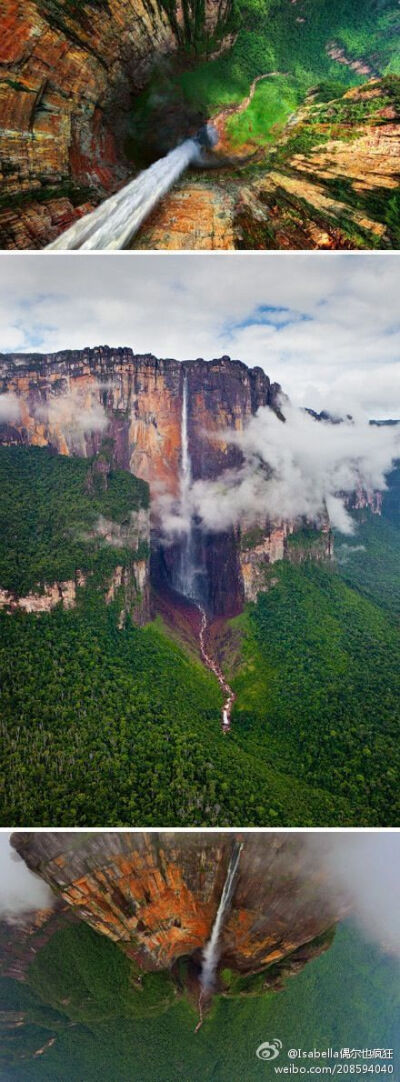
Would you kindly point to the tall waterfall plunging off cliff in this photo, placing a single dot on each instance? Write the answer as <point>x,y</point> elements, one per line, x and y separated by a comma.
<point>114,222</point>
<point>211,950</point>
<point>187,573</point>
<point>190,575</point>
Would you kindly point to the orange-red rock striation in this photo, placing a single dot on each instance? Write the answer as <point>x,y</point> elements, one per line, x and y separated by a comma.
<point>157,894</point>
<point>69,73</point>
<point>142,399</point>
<point>326,184</point>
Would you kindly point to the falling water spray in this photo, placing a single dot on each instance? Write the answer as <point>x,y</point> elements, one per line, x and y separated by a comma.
<point>187,576</point>
<point>113,224</point>
<point>211,951</point>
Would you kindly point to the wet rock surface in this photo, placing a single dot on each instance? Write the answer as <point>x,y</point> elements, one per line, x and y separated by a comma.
<point>157,894</point>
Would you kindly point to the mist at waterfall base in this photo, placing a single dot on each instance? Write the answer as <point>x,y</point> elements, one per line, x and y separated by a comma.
<point>113,224</point>
<point>21,892</point>
<point>291,470</point>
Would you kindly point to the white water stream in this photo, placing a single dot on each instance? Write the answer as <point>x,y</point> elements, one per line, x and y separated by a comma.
<point>113,224</point>
<point>211,951</point>
<point>211,664</point>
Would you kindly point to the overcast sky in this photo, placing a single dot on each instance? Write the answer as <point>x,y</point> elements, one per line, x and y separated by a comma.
<point>325,325</point>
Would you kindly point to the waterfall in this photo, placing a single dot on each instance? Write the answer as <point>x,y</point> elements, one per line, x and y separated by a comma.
<point>189,573</point>
<point>114,222</point>
<point>211,950</point>
<point>186,570</point>
<point>189,577</point>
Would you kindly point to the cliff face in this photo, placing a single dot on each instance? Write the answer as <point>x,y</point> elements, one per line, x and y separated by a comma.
<point>142,397</point>
<point>331,181</point>
<point>157,895</point>
<point>70,73</point>
<point>142,400</point>
<point>130,585</point>
<point>21,940</point>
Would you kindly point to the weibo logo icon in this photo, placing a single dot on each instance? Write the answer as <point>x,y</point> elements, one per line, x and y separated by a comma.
<point>269,1049</point>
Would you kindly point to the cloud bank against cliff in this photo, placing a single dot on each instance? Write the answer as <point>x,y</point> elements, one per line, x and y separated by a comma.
<point>21,891</point>
<point>9,408</point>
<point>77,412</point>
<point>365,868</point>
<point>300,468</point>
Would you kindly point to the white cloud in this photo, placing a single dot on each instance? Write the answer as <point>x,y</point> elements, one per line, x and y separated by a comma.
<point>300,468</point>
<point>9,408</point>
<point>341,348</point>
<point>78,411</point>
<point>365,869</point>
<point>21,891</point>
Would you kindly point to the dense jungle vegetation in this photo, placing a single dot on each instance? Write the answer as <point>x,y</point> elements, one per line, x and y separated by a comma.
<point>49,508</point>
<point>121,725</point>
<point>290,39</point>
<point>81,990</point>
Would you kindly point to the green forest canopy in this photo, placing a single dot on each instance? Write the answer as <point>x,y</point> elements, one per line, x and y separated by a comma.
<point>49,506</point>
<point>101,724</point>
<point>347,997</point>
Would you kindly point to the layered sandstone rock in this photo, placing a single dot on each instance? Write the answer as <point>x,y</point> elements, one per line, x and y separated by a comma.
<point>136,401</point>
<point>142,398</point>
<point>326,184</point>
<point>44,600</point>
<point>70,72</point>
<point>22,939</point>
<point>157,894</point>
<point>130,585</point>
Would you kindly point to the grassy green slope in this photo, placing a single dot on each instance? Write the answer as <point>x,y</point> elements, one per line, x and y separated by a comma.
<point>318,689</point>
<point>346,997</point>
<point>370,560</point>
<point>48,503</point>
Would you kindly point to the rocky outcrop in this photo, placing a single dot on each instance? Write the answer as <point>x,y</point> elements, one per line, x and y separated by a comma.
<point>157,894</point>
<point>265,544</point>
<point>363,500</point>
<point>22,939</point>
<point>258,549</point>
<point>70,74</point>
<point>136,402</point>
<point>329,182</point>
<point>58,593</point>
<point>142,399</point>
<point>129,585</point>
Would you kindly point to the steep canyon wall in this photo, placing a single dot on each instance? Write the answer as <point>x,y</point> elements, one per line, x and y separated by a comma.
<point>140,399</point>
<point>69,72</point>
<point>157,894</point>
